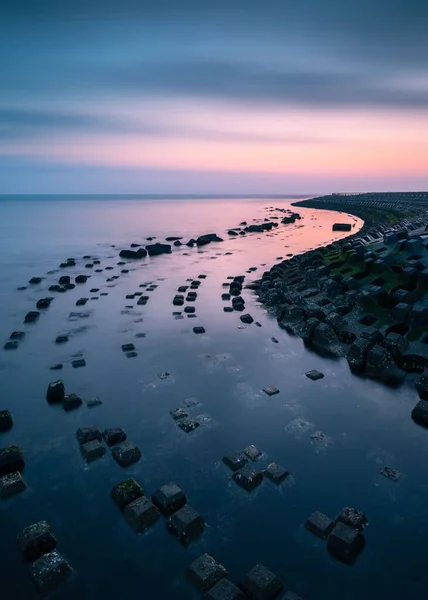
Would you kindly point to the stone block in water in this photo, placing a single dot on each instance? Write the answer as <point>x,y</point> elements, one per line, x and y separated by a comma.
<point>352,517</point>
<point>169,498</point>
<point>320,525</point>
<point>248,478</point>
<point>114,436</point>
<point>126,453</point>
<point>270,390</point>
<point>140,514</point>
<point>345,543</point>
<point>205,572</point>
<point>188,424</point>
<point>261,584</point>
<point>126,492</point>
<point>6,421</point>
<point>71,401</point>
<point>11,460</point>
<point>92,450</point>
<point>36,540</point>
<point>186,524</point>
<point>11,484</point>
<point>88,434</point>
<point>225,590</point>
<point>252,452</point>
<point>275,472</point>
<point>314,375</point>
<point>50,571</point>
<point>420,412</point>
<point>55,392</point>
<point>235,461</point>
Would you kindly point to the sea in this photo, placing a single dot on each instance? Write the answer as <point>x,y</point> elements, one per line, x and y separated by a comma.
<point>333,435</point>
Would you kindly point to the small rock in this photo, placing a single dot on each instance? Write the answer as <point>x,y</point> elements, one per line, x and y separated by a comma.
<point>169,498</point>
<point>275,473</point>
<point>314,375</point>
<point>43,303</point>
<point>198,330</point>
<point>261,584</point>
<point>93,402</point>
<point>274,340</point>
<point>186,524</point>
<point>60,339</point>
<point>81,279</point>
<point>71,401</point>
<point>248,478</point>
<point>227,309</point>
<point>126,492</point>
<point>126,453</point>
<point>50,571</point>
<point>270,390</point>
<point>56,367</point>
<point>140,514</point>
<point>88,434</point>
<point>36,540</point>
<point>114,436</point>
<point>11,484</point>
<point>320,525</point>
<point>205,572</point>
<point>189,309</point>
<point>35,280</point>
<point>257,324</point>
<point>55,392</point>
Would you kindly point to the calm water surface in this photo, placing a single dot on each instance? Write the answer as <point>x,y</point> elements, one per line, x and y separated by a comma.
<point>365,425</point>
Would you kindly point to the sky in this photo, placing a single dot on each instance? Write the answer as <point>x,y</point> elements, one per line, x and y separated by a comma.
<point>203,96</point>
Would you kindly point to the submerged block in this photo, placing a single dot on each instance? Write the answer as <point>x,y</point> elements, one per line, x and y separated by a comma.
<point>225,590</point>
<point>270,390</point>
<point>126,492</point>
<point>205,572</point>
<point>114,436</point>
<point>252,452</point>
<point>6,421</point>
<point>178,413</point>
<point>188,424</point>
<point>320,525</point>
<point>169,498</point>
<point>50,571</point>
<point>55,392</point>
<point>248,478</point>
<point>71,401</point>
<point>352,517</point>
<point>420,412</point>
<point>11,484</point>
<point>92,450</point>
<point>276,473</point>
<point>235,461</point>
<point>261,584</point>
<point>88,434</point>
<point>198,330</point>
<point>141,514</point>
<point>36,540</point>
<point>11,460</point>
<point>126,453</point>
<point>314,375</point>
<point>345,543</point>
<point>186,524</point>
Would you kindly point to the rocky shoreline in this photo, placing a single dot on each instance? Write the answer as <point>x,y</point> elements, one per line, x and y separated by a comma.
<point>364,297</point>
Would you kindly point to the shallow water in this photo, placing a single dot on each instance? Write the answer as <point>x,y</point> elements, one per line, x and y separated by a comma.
<point>365,425</point>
